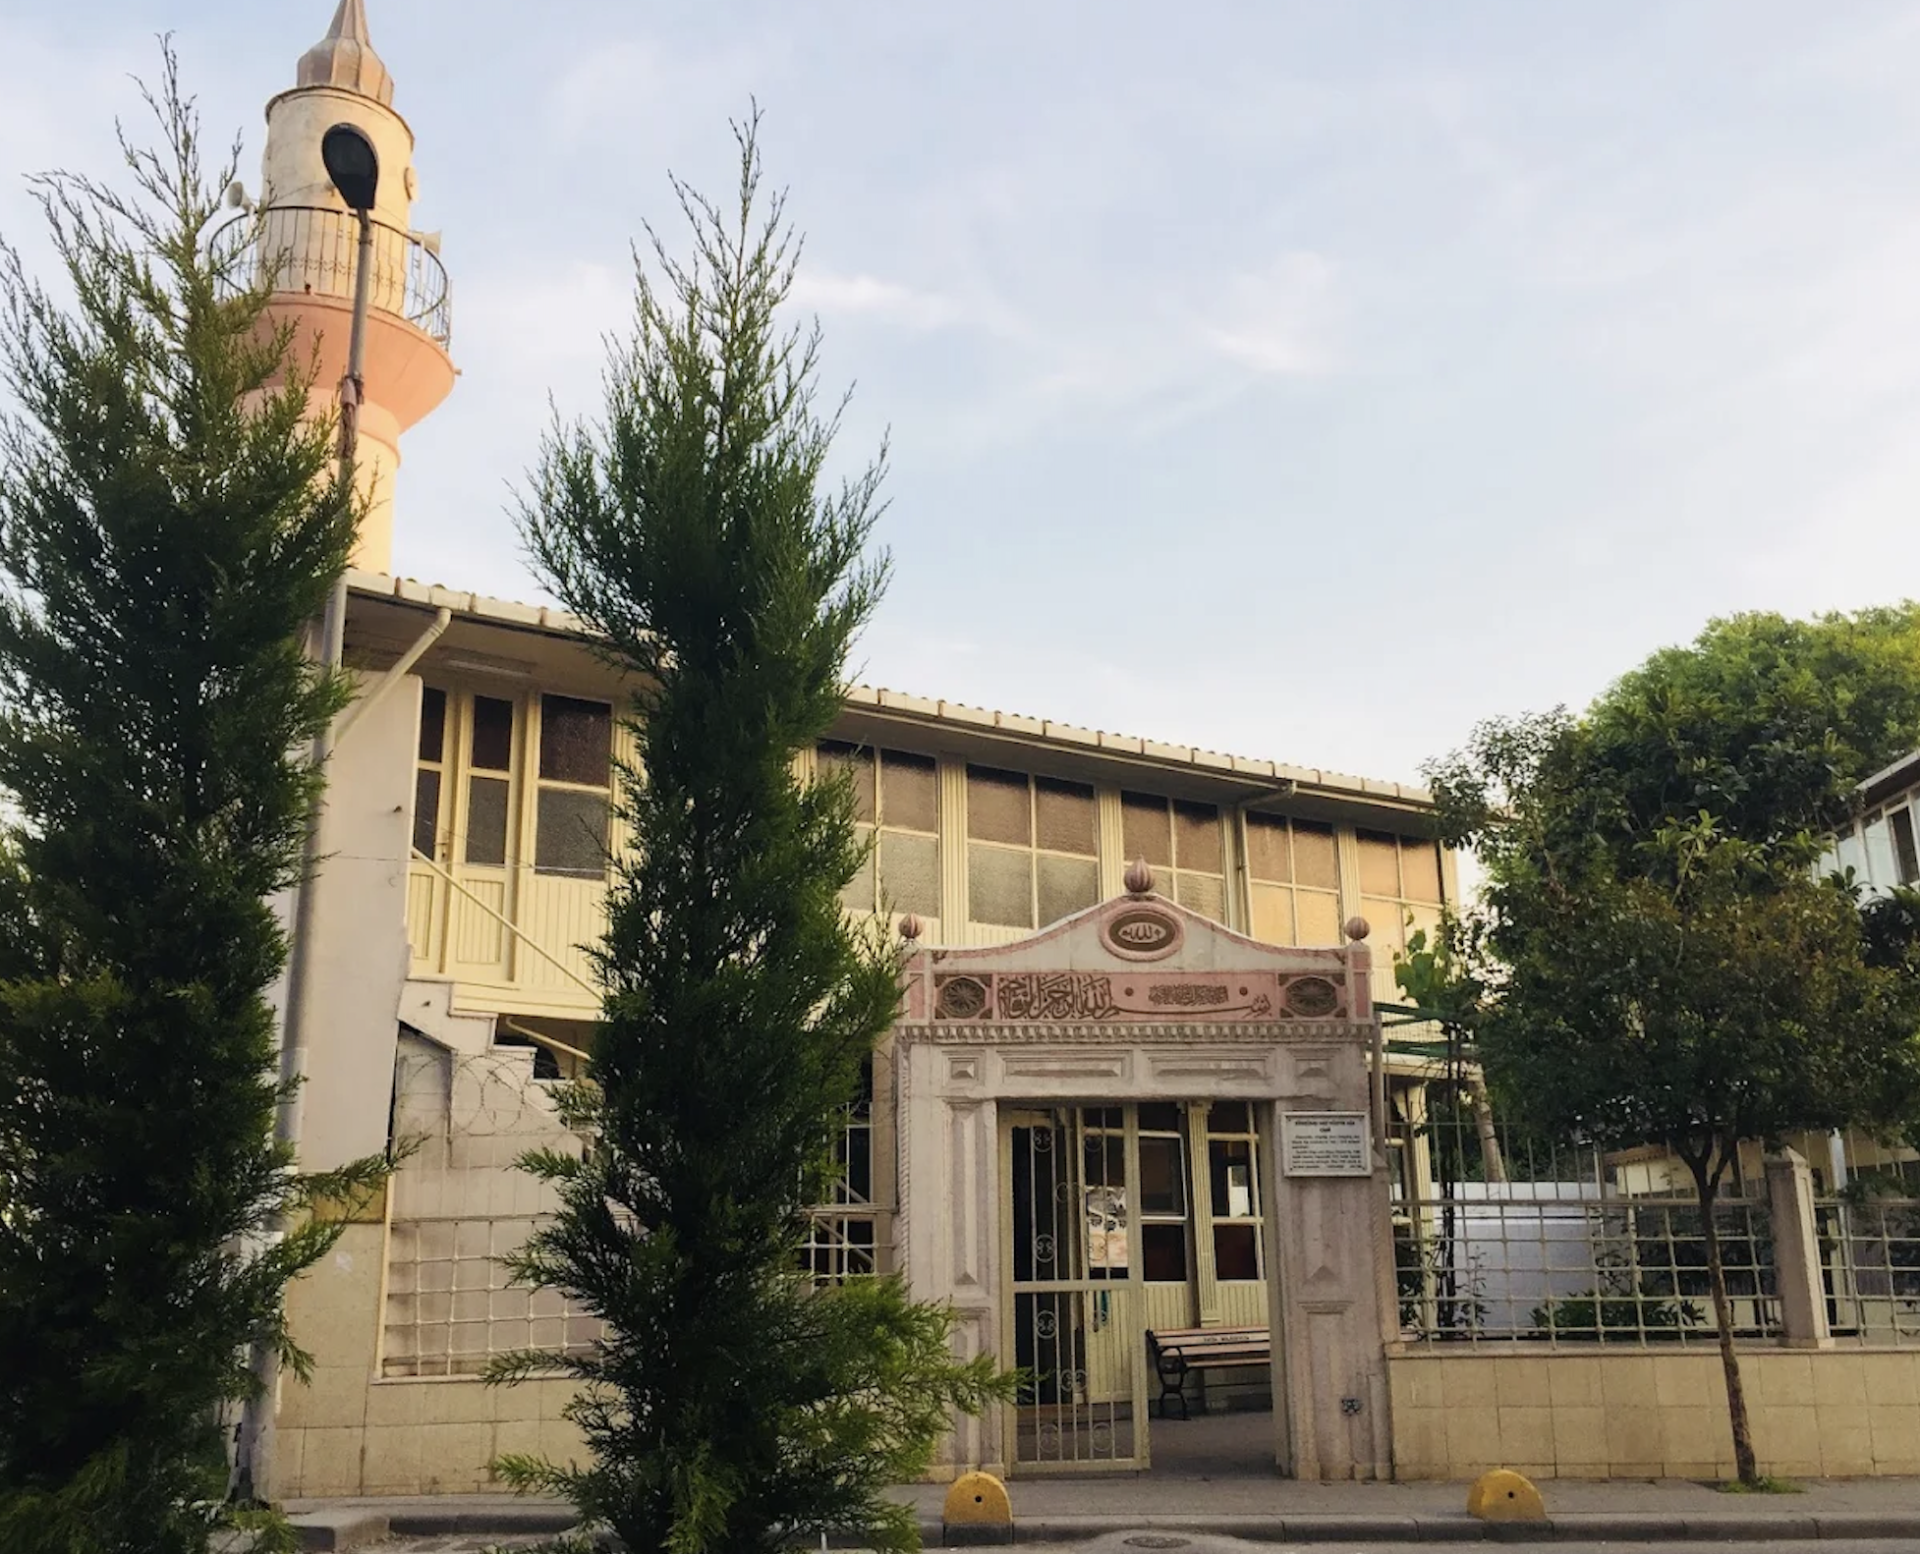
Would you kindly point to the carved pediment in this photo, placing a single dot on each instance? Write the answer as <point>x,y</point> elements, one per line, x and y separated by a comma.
<point>1138,959</point>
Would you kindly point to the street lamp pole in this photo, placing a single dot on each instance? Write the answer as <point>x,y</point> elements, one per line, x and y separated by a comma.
<point>354,168</point>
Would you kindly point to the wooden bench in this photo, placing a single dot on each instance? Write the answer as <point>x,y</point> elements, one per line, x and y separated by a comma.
<point>1176,1351</point>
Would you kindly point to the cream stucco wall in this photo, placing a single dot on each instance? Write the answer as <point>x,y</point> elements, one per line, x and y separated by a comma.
<point>359,1429</point>
<point>349,1433</point>
<point>1629,1413</point>
<point>359,937</point>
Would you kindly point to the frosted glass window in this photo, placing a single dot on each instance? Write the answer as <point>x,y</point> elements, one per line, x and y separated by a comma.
<point>857,893</point>
<point>1293,878</point>
<point>492,744</point>
<point>1000,886</point>
<point>1064,816</point>
<point>1315,863</point>
<point>570,834</point>
<point>999,807</point>
<point>1318,919</point>
<point>909,791</point>
<point>857,764</point>
<point>1419,869</point>
<point>433,724</point>
<point>1379,864</point>
<point>1066,886</point>
<point>1145,828</point>
<point>1268,855</point>
<point>487,821</point>
<point>1196,838</point>
<point>576,740</point>
<point>897,799</point>
<point>1202,893</point>
<point>910,873</point>
<point>426,810</point>
<point>1272,914</point>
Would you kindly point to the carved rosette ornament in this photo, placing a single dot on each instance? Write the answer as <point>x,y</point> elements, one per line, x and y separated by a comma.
<point>1312,998</point>
<point>959,998</point>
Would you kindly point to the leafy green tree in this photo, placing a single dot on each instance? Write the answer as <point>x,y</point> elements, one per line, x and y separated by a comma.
<point>1657,958</point>
<point>167,523</point>
<point>729,1405</point>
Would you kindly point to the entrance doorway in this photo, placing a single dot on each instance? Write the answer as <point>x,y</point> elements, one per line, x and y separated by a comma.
<point>1119,1219</point>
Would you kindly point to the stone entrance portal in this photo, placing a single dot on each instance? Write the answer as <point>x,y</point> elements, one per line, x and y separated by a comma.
<point>1137,1119</point>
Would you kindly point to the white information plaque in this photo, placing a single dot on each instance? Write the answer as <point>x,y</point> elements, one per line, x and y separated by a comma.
<point>1325,1144</point>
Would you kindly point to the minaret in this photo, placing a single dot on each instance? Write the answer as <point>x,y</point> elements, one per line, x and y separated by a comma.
<point>309,235</point>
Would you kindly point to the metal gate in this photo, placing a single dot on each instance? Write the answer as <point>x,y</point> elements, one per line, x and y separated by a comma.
<point>1073,1293</point>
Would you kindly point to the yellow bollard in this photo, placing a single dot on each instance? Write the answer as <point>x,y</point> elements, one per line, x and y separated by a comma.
<point>1505,1496</point>
<point>977,1511</point>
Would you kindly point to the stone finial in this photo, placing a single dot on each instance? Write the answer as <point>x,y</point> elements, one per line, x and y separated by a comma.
<point>1138,878</point>
<point>1358,928</point>
<point>345,57</point>
<point>911,928</point>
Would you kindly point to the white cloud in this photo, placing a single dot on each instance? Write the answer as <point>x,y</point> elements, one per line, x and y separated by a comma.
<point>1280,321</point>
<point>867,296</point>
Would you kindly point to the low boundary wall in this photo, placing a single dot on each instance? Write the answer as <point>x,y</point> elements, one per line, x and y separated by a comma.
<point>1628,1413</point>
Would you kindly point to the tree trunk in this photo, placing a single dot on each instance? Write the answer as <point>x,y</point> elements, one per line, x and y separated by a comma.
<point>1490,1159</point>
<point>1706,1189</point>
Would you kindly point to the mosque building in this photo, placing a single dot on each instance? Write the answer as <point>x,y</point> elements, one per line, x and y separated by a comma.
<point>1138,1086</point>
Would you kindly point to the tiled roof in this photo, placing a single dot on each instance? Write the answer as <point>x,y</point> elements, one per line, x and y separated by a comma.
<point>536,617</point>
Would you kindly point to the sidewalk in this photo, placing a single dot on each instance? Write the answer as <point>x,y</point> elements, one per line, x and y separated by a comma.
<point>1259,1508</point>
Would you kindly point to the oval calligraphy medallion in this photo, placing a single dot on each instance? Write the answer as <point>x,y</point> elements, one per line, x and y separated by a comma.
<point>1143,933</point>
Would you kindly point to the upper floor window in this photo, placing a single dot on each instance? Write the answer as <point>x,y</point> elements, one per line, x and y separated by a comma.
<point>1399,868</point>
<point>896,799</point>
<point>1293,881</point>
<point>429,771</point>
<point>470,746</point>
<point>1400,893</point>
<point>572,802</point>
<point>489,780</point>
<point>1887,855</point>
<point>1906,860</point>
<point>1182,842</point>
<point>1033,847</point>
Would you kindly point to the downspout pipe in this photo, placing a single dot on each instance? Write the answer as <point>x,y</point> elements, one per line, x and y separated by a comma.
<point>390,681</point>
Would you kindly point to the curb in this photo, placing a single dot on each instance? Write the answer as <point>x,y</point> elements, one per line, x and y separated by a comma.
<point>1590,1527</point>
<point>507,1521</point>
<point>335,1533</point>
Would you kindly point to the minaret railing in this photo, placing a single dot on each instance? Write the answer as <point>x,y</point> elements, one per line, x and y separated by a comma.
<point>309,250</point>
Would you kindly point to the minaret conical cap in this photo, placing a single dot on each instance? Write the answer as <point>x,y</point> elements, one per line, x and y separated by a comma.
<point>345,57</point>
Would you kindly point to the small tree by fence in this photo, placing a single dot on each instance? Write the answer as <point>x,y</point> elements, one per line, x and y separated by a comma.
<point>1655,960</point>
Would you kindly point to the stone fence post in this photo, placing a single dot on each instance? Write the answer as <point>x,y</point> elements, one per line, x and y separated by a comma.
<point>1796,1253</point>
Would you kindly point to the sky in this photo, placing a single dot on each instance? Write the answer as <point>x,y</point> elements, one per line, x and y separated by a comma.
<point>1307,382</point>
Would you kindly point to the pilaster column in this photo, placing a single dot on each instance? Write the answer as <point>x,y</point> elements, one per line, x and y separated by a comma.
<point>1796,1253</point>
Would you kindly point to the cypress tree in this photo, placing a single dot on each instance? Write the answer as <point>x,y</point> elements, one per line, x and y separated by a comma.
<point>729,1405</point>
<point>168,521</point>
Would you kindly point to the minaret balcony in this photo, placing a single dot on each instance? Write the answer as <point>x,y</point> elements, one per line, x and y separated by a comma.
<point>309,251</point>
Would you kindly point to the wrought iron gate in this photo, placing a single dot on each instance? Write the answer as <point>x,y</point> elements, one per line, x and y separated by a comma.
<point>1074,1296</point>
